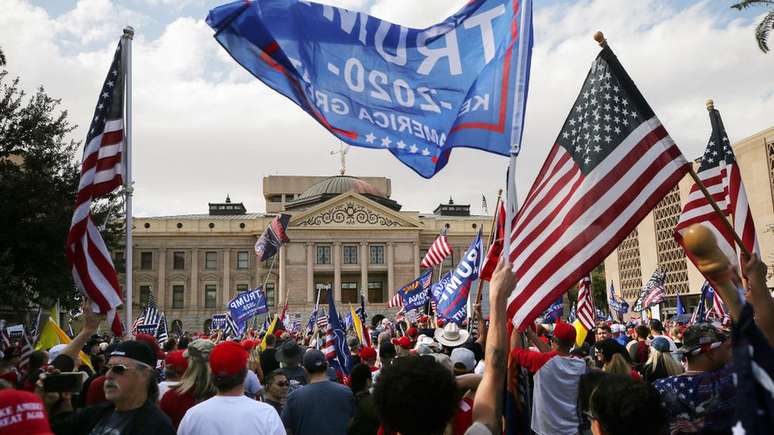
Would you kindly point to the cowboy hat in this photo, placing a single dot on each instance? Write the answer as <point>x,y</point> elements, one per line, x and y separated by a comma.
<point>451,335</point>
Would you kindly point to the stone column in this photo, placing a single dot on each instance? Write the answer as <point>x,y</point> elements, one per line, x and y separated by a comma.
<point>193,291</point>
<point>364,267</point>
<point>416,257</point>
<point>161,287</point>
<point>282,279</point>
<point>311,295</point>
<point>390,269</point>
<point>225,292</point>
<point>337,271</point>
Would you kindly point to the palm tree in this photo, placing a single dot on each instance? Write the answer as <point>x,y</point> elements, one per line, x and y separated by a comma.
<point>2,57</point>
<point>765,26</point>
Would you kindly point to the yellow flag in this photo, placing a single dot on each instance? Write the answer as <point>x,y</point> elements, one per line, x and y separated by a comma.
<point>580,332</point>
<point>52,334</point>
<point>268,332</point>
<point>357,325</point>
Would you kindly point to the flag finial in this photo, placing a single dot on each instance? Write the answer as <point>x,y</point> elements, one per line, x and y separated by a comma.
<point>710,104</point>
<point>129,32</point>
<point>600,38</point>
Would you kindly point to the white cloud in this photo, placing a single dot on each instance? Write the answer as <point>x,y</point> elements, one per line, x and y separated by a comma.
<point>205,127</point>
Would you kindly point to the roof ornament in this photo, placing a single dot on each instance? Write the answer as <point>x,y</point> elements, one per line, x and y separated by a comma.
<point>343,150</point>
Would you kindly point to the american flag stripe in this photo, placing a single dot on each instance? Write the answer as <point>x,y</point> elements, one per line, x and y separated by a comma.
<point>721,175</point>
<point>395,301</point>
<point>585,311</point>
<point>582,205</point>
<point>101,173</point>
<point>438,252</point>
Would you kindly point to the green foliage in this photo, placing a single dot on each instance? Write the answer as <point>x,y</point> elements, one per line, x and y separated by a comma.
<point>763,29</point>
<point>39,176</point>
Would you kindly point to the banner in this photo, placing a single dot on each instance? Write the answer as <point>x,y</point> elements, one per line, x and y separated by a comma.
<point>248,304</point>
<point>15,332</point>
<point>417,293</point>
<point>416,93</point>
<point>451,292</point>
<point>148,328</point>
<point>218,322</point>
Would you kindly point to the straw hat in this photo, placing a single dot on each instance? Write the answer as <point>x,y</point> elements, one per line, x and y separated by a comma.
<point>451,335</point>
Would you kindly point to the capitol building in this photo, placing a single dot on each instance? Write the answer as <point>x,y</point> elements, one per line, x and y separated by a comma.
<point>346,234</point>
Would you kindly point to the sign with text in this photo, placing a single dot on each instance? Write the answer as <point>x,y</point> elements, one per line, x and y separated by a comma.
<point>451,292</point>
<point>149,329</point>
<point>247,304</point>
<point>417,93</point>
<point>417,293</point>
<point>218,322</point>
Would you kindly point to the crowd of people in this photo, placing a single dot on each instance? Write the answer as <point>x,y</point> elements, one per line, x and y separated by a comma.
<point>416,378</point>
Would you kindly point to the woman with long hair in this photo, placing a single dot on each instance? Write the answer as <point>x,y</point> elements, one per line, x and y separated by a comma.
<point>615,360</point>
<point>196,384</point>
<point>660,363</point>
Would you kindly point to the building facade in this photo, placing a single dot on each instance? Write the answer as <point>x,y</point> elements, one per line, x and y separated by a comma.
<point>346,234</point>
<point>652,245</point>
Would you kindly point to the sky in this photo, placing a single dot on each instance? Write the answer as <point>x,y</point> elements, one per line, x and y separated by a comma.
<point>204,127</point>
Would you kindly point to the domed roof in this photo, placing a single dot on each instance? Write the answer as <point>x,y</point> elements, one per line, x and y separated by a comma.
<point>334,186</point>
<point>340,184</point>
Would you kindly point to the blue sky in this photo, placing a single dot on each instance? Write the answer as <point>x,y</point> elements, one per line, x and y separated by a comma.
<point>204,127</point>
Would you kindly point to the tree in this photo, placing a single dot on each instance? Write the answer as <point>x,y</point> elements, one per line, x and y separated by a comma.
<point>39,177</point>
<point>2,57</point>
<point>765,26</point>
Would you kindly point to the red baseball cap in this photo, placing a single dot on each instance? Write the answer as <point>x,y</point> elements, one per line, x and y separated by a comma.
<point>175,360</point>
<point>412,332</point>
<point>440,322</point>
<point>403,342</point>
<point>248,344</point>
<point>228,359</point>
<point>25,413</point>
<point>367,353</point>
<point>565,332</point>
<point>423,318</point>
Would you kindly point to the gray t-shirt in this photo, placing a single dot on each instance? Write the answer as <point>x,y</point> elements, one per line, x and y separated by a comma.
<point>114,424</point>
<point>320,408</point>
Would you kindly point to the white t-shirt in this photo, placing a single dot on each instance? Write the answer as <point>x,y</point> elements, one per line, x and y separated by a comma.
<point>555,396</point>
<point>164,386</point>
<point>227,415</point>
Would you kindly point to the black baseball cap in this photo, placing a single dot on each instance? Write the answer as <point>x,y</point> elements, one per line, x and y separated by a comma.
<point>136,350</point>
<point>314,361</point>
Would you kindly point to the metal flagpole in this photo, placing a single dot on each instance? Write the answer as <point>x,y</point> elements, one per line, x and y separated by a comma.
<point>128,182</point>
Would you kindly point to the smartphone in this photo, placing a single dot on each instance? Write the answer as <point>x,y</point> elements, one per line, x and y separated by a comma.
<point>64,382</point>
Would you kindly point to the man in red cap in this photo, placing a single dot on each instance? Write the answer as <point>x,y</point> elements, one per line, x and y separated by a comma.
<point>557,375</point>
<point>230,411</point>
<point>368,357</point>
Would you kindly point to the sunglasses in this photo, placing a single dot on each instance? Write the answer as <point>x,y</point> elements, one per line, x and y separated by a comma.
<point>120,369</point>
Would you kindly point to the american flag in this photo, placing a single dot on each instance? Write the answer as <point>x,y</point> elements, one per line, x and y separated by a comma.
<point>439,250</point>
<point>610,165</point>
<point>699,314</point>
<point>26,351</point>
<point>322,321</point>
<point>585,311</point>
<point>336,350</point>
<point>395,301</point>
<point>721,176</point>
<point>653,292</point>
<point>718,309</point>
<point>101,173</point>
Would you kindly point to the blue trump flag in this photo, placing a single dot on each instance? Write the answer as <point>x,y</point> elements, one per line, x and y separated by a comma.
<point>247,304</point>
<point>451,292</point>
<point>680,309</point>
<point>417,93</point>
<point>554,312</point>
<point>336,349</point>
<point>417,293</point>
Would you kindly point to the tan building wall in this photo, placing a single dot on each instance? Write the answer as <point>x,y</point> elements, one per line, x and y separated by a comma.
<point>348,221</point>
<point>755,157</point>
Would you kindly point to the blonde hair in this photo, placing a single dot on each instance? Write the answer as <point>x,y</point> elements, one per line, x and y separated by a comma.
<point>671,366</point>
<point>617,365</point>
<point>254,359</point>
<point>197,379</point>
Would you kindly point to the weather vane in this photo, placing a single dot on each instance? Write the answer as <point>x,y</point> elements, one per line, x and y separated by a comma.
<point>343,150</point>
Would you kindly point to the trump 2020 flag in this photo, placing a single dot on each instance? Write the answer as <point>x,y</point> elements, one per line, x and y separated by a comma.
<point>416,93</point>
<point>451,292</point>
<point>417,293</point>
<point>272,238</point>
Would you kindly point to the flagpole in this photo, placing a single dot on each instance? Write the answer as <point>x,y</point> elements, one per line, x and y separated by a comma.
<point>128,183</point>
<point>489,242</point>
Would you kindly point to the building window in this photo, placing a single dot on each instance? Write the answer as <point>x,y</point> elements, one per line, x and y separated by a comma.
<point>145,292</point>
<point>323,288</point>
<point>275,198</point>
<point>146,260</point>
<point>178,260</point>
<point>241,288</point>
<point>324,254</point>
<point>448,262</point>
<point>210,296</point>
<point>671,257</point>
<point>178,295</point>
<point>375,291</point>
<point>289,197</point>
<point>629,273</point>
<point>349,292</point>
<point>119,261</point>
<point>210,260</point>
<point>270,294</point>
<point>243,260</point>
<point>377,254</point>
<point>350,254</point>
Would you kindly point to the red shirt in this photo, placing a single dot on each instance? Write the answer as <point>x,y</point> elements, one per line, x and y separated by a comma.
<point>175,405</point>
<point>531,360</point>
<point>463,418</point>
<point>96,392</point>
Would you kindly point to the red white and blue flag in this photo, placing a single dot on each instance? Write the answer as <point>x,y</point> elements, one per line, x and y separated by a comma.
<point>439,250</point>
<point>101,173</point>
<point>336,350</point>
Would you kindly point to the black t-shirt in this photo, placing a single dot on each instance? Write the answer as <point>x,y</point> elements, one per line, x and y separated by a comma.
<point>114,424</point>
<point>268,362</point>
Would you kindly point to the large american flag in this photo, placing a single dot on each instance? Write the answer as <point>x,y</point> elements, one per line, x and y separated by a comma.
<point>585,311</point>
<point>610,165</point>
<point>101,173</point>
<point>395,301</point>
<point>439,250</point>
<point>653,292</point>
<point>721,176</point>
